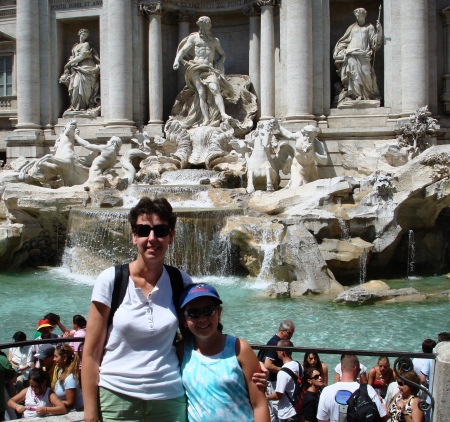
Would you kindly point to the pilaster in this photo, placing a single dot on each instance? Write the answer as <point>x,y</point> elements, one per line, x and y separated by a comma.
<point>415,55</point>
<point>153,12</point>
<point>184,18</point>
<point>446,95</point>
<point>120,70</point>
<point>254,69</point>
<point>267,59</point>
<point>299,66</point>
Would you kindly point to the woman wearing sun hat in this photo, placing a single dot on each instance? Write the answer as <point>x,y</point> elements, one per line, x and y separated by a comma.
<point>45,328</point>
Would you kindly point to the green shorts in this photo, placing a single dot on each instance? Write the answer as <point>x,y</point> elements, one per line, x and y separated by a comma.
<point>120,407</point>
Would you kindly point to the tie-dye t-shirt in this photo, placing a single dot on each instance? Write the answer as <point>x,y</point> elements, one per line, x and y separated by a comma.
<point>215,386</point>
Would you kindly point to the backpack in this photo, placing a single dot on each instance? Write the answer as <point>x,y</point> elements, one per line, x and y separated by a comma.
<point>261,355</point>
<point>361,408</point>
<point>299,391</point>
<point>122,274</point>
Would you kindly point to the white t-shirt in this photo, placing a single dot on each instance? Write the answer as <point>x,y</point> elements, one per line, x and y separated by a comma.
<point>285,385</point>
<point>140,358</point>
<point>329,408</point>
<point>338,369</point>
<point>19,356</point>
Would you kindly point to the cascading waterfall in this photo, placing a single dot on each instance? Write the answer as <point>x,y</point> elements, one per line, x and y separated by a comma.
<point>411,255</point>
<point>363,266</point>
<point>98,239</point>
<point>270,239</point>
<point>344,230</point>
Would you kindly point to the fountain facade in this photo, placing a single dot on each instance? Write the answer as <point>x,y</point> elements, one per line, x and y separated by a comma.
<point>324,193</point>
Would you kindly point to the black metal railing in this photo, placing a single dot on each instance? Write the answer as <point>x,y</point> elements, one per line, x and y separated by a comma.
<point>402,364</point>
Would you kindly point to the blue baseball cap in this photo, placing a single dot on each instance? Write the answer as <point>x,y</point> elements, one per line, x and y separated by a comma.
<point>194,291</point>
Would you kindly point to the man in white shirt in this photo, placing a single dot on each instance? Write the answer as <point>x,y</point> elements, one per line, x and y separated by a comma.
<point>285,388</point>
<point>331,397</point>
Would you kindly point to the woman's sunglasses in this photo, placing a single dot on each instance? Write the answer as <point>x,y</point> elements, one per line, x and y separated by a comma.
<point>160,230</point>
<point>400,383</point>
<point>207,311</point>
<point>315,377</point>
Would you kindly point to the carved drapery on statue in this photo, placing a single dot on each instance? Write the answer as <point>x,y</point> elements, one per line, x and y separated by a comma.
<point>353,55</point>
<point>82,78</point>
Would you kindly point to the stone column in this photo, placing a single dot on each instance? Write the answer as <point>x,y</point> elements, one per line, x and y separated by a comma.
<point>414,78</point>
<point>267,99</point>
<point>120,65</point>
<point>446,95</point>
<point>184,17</point>
<point>155,67</point>
<point>28,74</point>
<point>254,48</point>
<point>299,66</point>
<point>441,382</point>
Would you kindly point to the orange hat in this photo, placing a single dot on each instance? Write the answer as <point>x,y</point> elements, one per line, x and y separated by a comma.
<point>44,323</point>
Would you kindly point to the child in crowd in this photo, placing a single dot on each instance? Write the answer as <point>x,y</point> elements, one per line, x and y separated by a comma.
<point>40,400</point>
<point>224,391</point>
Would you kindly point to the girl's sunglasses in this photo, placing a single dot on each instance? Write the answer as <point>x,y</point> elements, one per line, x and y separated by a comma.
<point>207,311</point>
<point>315,377</point>
<point>160,230</point>
<point>400,383</point>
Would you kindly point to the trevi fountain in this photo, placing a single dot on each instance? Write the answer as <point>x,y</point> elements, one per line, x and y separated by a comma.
<point>308,164</point>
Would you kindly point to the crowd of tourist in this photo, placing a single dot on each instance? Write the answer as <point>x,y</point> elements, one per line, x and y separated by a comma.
<point>130,370</point>
<point>396,399</point>
<point>45,378</point>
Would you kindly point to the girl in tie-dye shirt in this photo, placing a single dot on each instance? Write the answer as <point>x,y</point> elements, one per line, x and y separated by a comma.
<point>216,368</point>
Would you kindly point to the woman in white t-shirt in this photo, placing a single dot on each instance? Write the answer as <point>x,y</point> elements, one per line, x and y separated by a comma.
<point>67,386</point>
<point>133,361</point>
<point>18,357</point>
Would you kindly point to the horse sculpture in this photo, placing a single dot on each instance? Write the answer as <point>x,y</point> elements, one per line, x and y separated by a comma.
<point>264,164</point>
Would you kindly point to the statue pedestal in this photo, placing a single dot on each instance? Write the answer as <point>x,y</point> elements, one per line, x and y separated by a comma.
<point>358,104</point>
<point>27,143</point>
<point>89,126</point>
<point>154,128</point>
<point>365,117</point>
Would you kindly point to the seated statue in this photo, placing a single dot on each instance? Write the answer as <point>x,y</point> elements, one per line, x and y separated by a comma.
<point>308,151</point>
<point>204,76</point>
<point>353,55</point>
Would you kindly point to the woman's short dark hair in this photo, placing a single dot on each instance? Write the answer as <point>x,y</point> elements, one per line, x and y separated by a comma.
<point>159,206</point>
<point>19,336</point>
<point>38,376</point>
<point>79,320</point>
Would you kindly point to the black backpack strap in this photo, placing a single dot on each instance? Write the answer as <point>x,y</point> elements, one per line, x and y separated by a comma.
<point>176,281</point>
<point>294,377</point>
<point>121,278</point>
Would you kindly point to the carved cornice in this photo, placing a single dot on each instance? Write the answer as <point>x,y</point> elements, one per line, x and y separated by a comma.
<point>185,16</point>
<point>262,3</point>
<point>251,10</point>
<point>153,8</point>
<point>446,15</point>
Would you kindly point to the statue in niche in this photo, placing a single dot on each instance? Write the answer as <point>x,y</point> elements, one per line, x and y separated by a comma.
<point>204,76</point>
<point>82,78</point>
<point>354,57</point>
<point>308,151</point>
